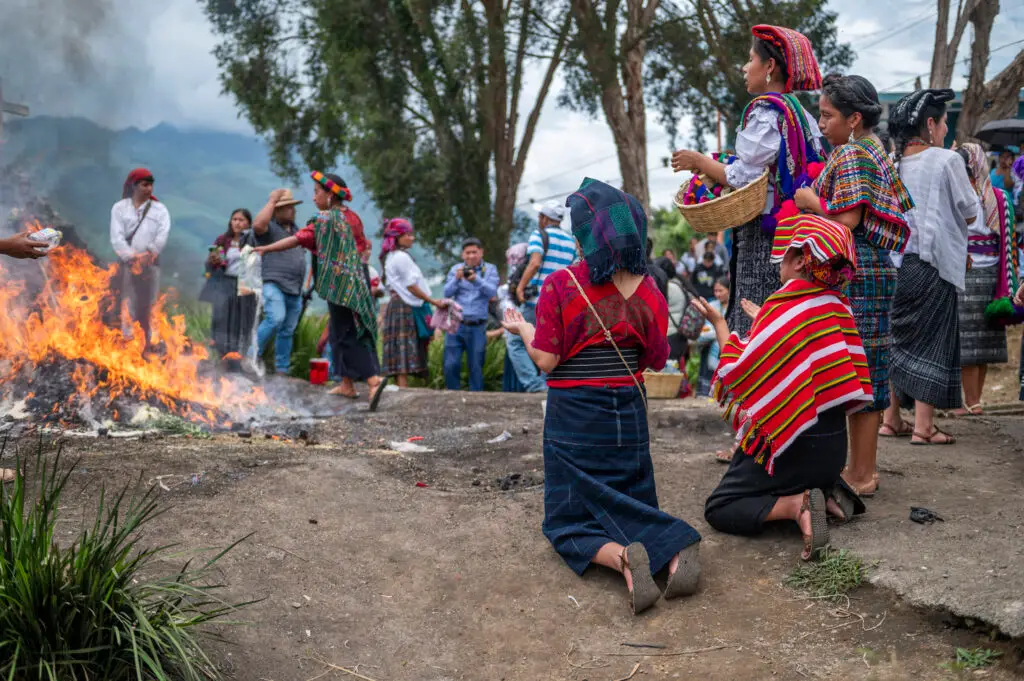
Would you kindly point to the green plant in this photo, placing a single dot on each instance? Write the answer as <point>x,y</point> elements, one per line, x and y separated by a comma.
<point>494,365</point>
<point>175,425</point>
<point>832,575</point>
<point>93,610</point>
<point>198,318</point>
<point>307,335</point>
<point>972,658</point>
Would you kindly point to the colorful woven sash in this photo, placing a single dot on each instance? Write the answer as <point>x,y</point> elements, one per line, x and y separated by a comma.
<point>1002,310</point>
<point>802,358</point>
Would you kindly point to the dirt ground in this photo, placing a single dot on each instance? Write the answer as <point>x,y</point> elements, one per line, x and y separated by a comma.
<point>361,567</point>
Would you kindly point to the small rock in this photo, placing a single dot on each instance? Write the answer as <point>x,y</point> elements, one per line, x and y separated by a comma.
<point>296,605</point>
<point>102,432</point>
<point>476,483</point>
<point>275,555</point>
<point>245,434</point>
<point>313,521</point>
<point>526,430</point>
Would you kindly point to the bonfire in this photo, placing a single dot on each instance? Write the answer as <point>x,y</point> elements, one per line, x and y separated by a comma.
<point>61,362</point>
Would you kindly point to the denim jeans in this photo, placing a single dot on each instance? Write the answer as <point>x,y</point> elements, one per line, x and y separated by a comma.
<point>471,340</point>
<point>280,316</point>
<point>532,379</point>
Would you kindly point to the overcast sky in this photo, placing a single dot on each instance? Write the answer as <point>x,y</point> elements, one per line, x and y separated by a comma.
<point>119,65</point>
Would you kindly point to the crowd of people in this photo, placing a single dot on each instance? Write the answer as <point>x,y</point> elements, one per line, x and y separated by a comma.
<point>876,277</point>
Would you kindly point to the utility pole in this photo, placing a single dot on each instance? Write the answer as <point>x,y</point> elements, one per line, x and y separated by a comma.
<point>9,108</point>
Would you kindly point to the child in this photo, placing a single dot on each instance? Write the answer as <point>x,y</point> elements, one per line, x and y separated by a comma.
<point>788,387</point>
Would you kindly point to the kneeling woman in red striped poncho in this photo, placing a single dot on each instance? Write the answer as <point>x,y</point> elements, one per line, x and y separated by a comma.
<point>788,387</point>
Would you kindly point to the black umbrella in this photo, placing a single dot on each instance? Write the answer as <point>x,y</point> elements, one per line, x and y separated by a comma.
<point>1008,132</point>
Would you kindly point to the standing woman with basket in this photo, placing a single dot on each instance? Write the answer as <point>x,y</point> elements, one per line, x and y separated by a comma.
<point>860,188</point>
<point>600,324</point>
<point>778,136</point>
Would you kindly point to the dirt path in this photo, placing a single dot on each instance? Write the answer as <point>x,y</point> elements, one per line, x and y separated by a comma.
<point>359,566</point>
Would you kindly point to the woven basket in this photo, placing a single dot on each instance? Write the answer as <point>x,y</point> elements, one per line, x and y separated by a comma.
<point>731,210</point>
<point>662,386</point>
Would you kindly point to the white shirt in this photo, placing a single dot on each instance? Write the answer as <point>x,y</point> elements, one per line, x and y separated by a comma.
<point>151,235</point>
<point>757,147</point>
<point>943,202</point>
<point>979,228</point>
<point>401,272</point>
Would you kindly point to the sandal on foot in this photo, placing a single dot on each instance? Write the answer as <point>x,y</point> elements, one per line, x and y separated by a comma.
<point>844,499</point>
<point>645,592</point>
<point>683,582</point>
<point>865,491</point>
<point>814,503</point>
<point>723,456</point>
<point>929,440</point>
<point>905,430</point>
<point>341,392</point>
<point>378,392</point>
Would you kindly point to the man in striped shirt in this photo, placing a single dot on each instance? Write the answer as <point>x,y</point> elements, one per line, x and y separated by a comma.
<point>550,249</point>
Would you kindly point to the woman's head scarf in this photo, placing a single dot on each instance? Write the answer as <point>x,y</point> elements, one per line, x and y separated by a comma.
<point>1018,168</point>
<point>332,183</point>
<point>978,163</point>
<point>827,247</point>
<point>801,66</point>
<point>393,228</point>
<point>611,228</point>
<point>134,177</point>
<point>906,117</point>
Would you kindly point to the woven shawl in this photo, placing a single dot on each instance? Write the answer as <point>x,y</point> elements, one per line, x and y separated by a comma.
<point>611,228</point>
<point>1002,310</point>
<point>791,169</point>
<point>340,279</point>
<point>861,174</point>
<point>803,357</point>
<point>983,185</point>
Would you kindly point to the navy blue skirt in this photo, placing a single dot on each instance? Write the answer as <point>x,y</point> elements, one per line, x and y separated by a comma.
<point>599,478</point>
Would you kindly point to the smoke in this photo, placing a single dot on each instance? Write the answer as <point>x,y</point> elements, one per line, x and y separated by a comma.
<point>73,57</point>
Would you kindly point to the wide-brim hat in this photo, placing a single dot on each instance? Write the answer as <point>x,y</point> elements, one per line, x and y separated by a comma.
<point>287,199</point>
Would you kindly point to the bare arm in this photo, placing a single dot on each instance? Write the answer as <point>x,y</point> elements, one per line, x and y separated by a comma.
<point>515,324</point>
<point>532,267</point>
<point>282,245</point>
<point>261,222</point>
<point>418,292</point>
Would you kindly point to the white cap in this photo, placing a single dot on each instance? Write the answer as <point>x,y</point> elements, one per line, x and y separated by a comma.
<point>552,209</point>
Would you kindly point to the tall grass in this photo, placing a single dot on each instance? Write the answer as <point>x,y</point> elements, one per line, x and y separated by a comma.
<point>307,335</point>
<point>93,610</point>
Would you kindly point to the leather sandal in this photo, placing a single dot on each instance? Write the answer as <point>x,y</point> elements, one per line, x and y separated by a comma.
<point>645,592</point>
<point>814,503</point>
<point>905,430</point>
<point>683,582</point>
<point>865,491</point>
<point>929,440</point>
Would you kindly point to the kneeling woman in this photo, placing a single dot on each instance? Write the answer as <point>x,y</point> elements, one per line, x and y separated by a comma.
<point>600,323</point>
<point>788,388</point>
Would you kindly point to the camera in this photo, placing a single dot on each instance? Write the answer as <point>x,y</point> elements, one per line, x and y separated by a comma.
<point>530,292</point>
<point>467,271</point>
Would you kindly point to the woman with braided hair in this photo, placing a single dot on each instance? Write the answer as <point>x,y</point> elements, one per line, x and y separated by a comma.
<point>861,189</point>
<point>777,135</point>
<point>925,358</point>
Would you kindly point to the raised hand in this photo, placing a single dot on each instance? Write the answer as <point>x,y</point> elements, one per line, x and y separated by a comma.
<point>750,309</point>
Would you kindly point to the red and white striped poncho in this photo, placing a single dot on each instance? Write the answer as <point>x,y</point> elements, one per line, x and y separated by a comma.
<point>803,356</point>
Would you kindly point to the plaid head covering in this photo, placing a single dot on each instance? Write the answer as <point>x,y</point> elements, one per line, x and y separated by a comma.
<point>826,245</point>
<point>611,228</point>
<point>905,118</point>
<point>982,182</point>
<point>801,65</point>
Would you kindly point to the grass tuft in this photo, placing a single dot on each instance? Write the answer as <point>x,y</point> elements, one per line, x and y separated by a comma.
<point>94,609</point>
<point>972,658</point>
<point>833,575</point>
<point>175,425</point>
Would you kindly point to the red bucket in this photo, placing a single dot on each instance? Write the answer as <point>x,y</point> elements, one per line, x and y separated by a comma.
<point>318,370</point>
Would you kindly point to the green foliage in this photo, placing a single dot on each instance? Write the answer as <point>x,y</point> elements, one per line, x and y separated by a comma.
<point>697,59</point>
<point>307,335</point>
<point>831,576</point>
<point>422,97</point>
<point>198,319</point>
<point>175,425</point>
<point>693,366</point>
<point>669,229</point>
<point>94,609</point>
<point>494,365</point>
<point>971,658</point>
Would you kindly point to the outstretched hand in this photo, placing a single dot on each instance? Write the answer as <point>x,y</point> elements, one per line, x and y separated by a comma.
<point>515,323</point>
<point>1019,298</point>
<point>750,309</point>
<point>21,246</point>
<point>710,313</point>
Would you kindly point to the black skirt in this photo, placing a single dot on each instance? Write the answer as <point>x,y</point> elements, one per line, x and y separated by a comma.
<point>233,316</point>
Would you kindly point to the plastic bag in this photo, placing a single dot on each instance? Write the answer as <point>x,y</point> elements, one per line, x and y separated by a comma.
<point>250,272</point>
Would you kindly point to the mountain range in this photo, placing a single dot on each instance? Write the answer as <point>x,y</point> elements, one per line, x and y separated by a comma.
<point>201,176</point>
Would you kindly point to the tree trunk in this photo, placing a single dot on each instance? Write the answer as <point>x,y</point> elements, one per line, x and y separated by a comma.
<point>944,53</point>
<point>974,100</point>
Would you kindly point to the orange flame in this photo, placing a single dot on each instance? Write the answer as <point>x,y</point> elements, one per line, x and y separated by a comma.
<point>66,320</point>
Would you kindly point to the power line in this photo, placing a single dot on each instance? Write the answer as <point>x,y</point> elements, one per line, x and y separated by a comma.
<point>962,61</point>
<point>898,30</point>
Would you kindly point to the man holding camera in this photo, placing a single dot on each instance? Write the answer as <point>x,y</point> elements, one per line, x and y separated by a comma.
<point>471,284</point>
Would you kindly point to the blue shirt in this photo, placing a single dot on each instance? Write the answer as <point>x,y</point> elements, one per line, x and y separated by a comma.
<point>473,296</point>
<point>561,253</point>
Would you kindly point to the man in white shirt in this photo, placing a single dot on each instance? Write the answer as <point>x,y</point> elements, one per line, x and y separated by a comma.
<point>139,227</point>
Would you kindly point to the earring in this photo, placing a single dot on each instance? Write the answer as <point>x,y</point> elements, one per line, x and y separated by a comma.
<point>768,78</point>
<point>851,139</point>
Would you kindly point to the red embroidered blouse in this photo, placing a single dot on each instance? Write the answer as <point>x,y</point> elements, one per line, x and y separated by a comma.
<point>307,235</point>
<point>565,324</point>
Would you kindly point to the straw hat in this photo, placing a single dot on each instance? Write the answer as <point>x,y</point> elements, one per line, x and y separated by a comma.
<point>287,199</point>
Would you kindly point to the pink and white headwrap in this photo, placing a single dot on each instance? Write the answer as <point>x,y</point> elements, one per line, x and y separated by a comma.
<point>515,255</point>
<point>393,228</point>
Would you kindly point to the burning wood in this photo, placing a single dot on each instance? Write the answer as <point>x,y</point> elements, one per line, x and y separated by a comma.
<point>58,355</point>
